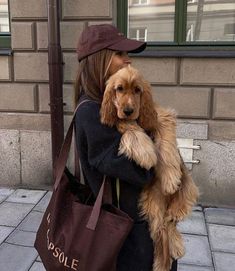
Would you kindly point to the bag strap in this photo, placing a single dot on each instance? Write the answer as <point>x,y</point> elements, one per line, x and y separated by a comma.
<point>92,222</point>
<point>64,152</point>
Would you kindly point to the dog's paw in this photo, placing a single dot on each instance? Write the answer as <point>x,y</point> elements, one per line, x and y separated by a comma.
<point>176,244</point>
<point>170,184</point>
<point>138,146</point>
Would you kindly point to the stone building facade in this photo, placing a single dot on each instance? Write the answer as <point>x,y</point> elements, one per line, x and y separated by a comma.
<point>202,91</point>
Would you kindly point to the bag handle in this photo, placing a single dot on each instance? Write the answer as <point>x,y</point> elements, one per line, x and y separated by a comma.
<point>64,152</point>
<point>92,222</point>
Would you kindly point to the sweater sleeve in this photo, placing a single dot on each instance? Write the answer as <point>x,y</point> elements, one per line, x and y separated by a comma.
<point>102,148</point>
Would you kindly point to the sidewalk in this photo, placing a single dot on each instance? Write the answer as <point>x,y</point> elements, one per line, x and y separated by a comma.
<point>209,234</point>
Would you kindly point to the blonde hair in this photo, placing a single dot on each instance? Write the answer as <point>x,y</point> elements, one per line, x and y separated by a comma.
<point>93,74</point>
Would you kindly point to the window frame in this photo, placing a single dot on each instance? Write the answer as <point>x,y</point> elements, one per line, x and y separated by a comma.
<point>5,38</point>
<point>181,47</point>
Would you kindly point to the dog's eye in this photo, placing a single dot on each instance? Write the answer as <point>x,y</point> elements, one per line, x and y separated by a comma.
<point>137,89</point>
<point>119,88</point>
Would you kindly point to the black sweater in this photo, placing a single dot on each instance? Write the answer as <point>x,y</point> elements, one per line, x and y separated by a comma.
<point>98,149</point>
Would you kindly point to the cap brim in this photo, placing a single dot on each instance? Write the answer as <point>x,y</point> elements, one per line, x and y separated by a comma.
<point>127,45</point>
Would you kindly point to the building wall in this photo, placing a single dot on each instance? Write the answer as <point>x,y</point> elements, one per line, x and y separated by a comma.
<point>202,91</point>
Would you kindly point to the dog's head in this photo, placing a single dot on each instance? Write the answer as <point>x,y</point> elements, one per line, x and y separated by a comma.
<point>128,97</point>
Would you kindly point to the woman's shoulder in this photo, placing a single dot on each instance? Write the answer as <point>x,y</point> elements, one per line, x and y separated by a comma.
<point>85,104</point>
<point>88,110</point>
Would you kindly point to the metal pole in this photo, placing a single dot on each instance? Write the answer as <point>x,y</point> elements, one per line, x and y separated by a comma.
<point>55,79</point>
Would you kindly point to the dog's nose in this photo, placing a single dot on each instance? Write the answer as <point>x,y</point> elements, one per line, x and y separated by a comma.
<point>128,111</point>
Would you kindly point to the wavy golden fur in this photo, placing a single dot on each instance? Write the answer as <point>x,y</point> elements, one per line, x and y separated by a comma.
<point>149,138</point>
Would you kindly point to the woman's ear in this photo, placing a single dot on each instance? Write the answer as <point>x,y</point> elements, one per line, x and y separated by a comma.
<point>108,111</point>
<point>148,114</point>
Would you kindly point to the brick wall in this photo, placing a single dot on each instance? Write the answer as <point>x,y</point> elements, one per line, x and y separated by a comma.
<point>201,90</point>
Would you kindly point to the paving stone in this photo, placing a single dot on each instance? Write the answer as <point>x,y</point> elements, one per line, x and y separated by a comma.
<point>195,224</point>
<point>197,251</point>
<point>26,196</point>
<point>220,216</point>
<point>12,213</point>
<point>2,198</point>
<point>186,267</point>
<point>42,205</point>
<point>224,261</point>
<point>16,258</point>
<point>38,259</point>
<point>222,238</point>
<point>37,267</point>
<point>6,191</point>
<point>31,222</point>
<point>4,232</point>
<point>197,208</point>
<point>22,238</point>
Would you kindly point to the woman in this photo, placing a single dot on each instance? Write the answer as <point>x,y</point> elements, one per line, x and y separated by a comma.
<point>102,50</point>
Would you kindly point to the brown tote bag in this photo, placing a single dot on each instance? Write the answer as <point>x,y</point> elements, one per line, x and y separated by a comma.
<point>74,233</point>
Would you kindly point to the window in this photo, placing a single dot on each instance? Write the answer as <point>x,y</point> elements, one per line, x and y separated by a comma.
<point>138,34</point>
<point>4,25</point>
<point>181,24</point>
<point>139,2</point>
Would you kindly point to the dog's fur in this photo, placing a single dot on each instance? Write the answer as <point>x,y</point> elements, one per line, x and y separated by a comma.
<point>149,138</point>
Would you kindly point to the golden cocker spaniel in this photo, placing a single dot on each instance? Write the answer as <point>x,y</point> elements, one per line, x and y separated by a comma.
<point>149,138</point>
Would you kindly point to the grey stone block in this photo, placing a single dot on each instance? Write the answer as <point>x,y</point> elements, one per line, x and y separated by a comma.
<point>68,98</point>
<point>192,130</point>
<point>222,238</point>
<point>195,224</point>
<point>224,261</point>
<point>42,205</point>
<point>222,130</point>
<point>22,35</point>
<point>197,251</point>
<point>11,214</point>
<point>217,71</point>
<point>4,232</point>
<point>71,67</point>
<point>185,267</point>
<point>220,216</point>
<point>22,238</point>
<point>157,70</point>
<point>215,174</point>
<point>30,67</point>
<point>31,222</point>
<point>187,102</point>
<point>70,31</point>
<point>21,121</point>
<point>18,258</point>
<point>36,157</point>
<point>90,8</point>
<point>26,196</point>
<point>42,36</point>
<point>9,157</point>
<point>224,100</point>
<point>17,97</point>
<point>37,267</point>
<point>30,9</point>
<point>5,68</point>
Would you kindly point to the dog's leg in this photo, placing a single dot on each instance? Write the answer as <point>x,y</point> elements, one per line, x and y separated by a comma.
<point>183,200</point>
<point>176,244</point>
<point>168,167</point>
<point>136,144</point>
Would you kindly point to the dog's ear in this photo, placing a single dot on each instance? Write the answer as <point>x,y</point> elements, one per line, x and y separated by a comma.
<point>148,114</point>
<point>108,111</point>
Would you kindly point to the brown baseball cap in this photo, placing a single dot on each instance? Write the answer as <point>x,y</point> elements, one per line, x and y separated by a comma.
<point>105,36</point>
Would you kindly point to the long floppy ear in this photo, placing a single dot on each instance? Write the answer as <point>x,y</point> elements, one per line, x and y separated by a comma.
<point>108,111</point>
<point>148,114</point>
